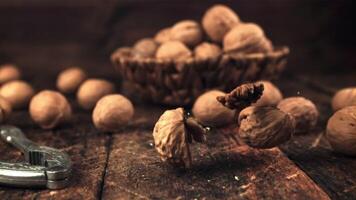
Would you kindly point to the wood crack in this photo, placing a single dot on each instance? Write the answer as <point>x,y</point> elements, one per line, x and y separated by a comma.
<point>103,176</point>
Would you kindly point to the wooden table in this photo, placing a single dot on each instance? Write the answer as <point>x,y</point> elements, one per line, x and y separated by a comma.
<point>125,165</point>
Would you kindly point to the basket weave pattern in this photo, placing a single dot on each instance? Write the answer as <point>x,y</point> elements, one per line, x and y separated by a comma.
<point>181,82</point>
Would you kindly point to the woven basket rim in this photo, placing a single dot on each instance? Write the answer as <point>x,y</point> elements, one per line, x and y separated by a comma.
<point>279,51</point>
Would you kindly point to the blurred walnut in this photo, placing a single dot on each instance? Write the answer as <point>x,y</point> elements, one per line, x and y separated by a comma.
<point>207,50</point>
<point>271,95</point>
<point>303,110</point>
<point>9,72</point>
<point>172,135</point>
<point>163,35</point>
<point>218,20</point>
<point>145,48</point>
<point>265,127</point>
<point>112,112</point>
<point>242,96</point>
<point>69,80</point>
<point>5,109</point>
<point>188,32</point>
<point>49,109</point>
<point>17,93</point>
<point>246,38</point>
<point>92,90</point>
<point>341,131</point>
<point>209,112</point>
<point>173,50</point>
<point>343,98</point>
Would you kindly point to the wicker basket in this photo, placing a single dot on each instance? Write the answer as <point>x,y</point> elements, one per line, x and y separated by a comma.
<point>180,82</point>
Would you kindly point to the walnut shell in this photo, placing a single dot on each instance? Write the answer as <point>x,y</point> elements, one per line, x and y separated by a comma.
<point>17,93</point>
<point>218,20</point>
<point>173,50</point>
<point>341,131</point>
<point>188,32</point>
<point>69,80</point>
<point>265,127</point>
<point>112,112</point>
<point>343,98</point>
<point>171,139</point>
<point>49,109</point>
<point>246,38</point>
<point>9,72</point>
<point>271,95</point>
<point>5,109</point>
<point>207,50</point>
<point>164,35</point>
<point>209,112</point>
<point>145,48</point>
<point>303,110</point>
<point>92,90</point>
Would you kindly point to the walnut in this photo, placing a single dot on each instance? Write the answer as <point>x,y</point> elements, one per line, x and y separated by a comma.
<point>163,35</point>
<point>92,90</point>
<point>112,112</point>
<point>265,127</point>
<point>172,135</point>
<point>271,95</point>
<point>218,20</point>
<point>343,98</point>
<point>5,109</point>
<point>207,50</point>
<point>242,96</point>
<point>209,112</point>
<point>341,131</point>
<point>188,32</point>
<point>173,50</point>
<point>246,38</point>
<point>9,72</point>
<point>17,93</point>
<point>69,80</point>
<point>49,109</point>
<point>145,48</point>
<point>303,110</point>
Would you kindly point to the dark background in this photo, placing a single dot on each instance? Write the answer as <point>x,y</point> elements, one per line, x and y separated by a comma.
<point>53,34</point>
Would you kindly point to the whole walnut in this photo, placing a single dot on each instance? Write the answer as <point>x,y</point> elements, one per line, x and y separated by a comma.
<point>271,95</point>
<point>49,109</point>
<point>343,98</point>
<point>5,109</point>
<point>265,127</point>
<point>9,72</point>
<point>188,32</point>
<point>246,38</point>
<point>92,90</point>
<point>17,93</point>
<point>112,112</point>
<point>163,35</point>
<point>145,48</point>
<point>69,80</point>
<point>341,131</point>
<point>218,20</point>
<point>172,134</point>
<point>209,112</point>
<point>303,110</point>
<point>173,50</point>
<point>207,50</point>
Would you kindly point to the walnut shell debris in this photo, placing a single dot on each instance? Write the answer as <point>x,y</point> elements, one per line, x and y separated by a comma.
<point>242,96</point>
<point>265,127</point>
<point>172,134</point>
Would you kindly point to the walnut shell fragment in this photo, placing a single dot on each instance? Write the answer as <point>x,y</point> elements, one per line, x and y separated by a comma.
<point>265,127</point>
<point>173,133</point>
<point>242,96</point>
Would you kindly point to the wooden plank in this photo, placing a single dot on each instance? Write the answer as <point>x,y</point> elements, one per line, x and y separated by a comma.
<point>221,170</point>
<point>86,147</point>
<point>311,152</point>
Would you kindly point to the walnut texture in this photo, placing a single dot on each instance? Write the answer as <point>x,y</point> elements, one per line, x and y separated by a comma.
<point>188,32</point>
<point>343,98</point>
